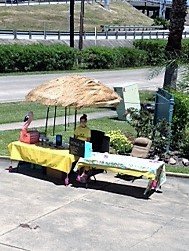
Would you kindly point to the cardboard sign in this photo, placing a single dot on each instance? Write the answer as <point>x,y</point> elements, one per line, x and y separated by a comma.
<point>80,148</point>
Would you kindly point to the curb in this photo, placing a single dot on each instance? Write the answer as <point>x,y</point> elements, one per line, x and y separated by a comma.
<point>5,157</point>
<point>177,175</point>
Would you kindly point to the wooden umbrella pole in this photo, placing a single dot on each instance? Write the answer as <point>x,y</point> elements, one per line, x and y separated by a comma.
<point>75,118</point>
<point>65,115</point>
<point>47,117</point>
<point>54,120</point>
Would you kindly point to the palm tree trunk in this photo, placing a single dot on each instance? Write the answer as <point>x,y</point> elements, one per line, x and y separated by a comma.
<point>173,47</point>
<point>170,77</point>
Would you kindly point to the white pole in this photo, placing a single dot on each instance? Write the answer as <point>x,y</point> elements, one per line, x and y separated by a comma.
<point>95,36</point>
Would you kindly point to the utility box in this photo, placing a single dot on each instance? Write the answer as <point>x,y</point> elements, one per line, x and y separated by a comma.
<point>164,106</point>
<point>130,99</point>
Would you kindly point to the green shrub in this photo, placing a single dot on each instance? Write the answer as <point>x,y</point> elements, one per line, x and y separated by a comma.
<point>180,118</point>
<point>97,58</point>
<point>107,58</point>
<point>161,21</point>
<point>185,145</point>
<point>161,138</point>
<point>155,49</point>
<point>185,51</point>
<point>119,142</point>
<point>127,57</point>
<point>142,121</point>
<point>36,57</point>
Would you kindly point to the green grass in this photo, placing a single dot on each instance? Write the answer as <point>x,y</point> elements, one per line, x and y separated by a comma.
<point>56,17</point>
<point>177,169</point>
<point>105,124</point>
<point>15,112</point>
<point>147,96</point>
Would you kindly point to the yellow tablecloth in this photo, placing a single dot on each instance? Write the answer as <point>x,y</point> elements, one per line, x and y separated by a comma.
<point>45,156</point>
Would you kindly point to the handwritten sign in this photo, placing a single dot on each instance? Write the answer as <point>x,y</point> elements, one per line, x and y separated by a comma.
<point>80,148</point>
<point>77,147</point>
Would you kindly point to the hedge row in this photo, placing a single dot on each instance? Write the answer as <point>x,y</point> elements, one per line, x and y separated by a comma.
<point>156,50</point>
<point>35,58</point>
<point>108,58</point>
<point>40,57</point>
<point>14,58</point>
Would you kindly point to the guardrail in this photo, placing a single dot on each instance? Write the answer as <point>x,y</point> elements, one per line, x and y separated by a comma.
<point>32,2</point>
<point>167,2</point>
<point>58,35</point>
<point>130,28</point>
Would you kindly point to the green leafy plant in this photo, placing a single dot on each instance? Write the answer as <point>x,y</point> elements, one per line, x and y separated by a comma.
<point>129,57</point>
<point>180,119</point>
<point>119,142</point>
<point>160,133</point>
<point>36,57</point>
<point>185,145</point>
<point>155,49</point>
<point>142,121</point>
<point>98,58</point>
<point>161,138</point>
<point>161,21</point>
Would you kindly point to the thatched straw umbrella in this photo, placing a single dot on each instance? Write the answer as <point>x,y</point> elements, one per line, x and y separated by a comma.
<point>74,91</point>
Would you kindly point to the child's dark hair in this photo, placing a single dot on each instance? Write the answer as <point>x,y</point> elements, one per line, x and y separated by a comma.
<point>84,117</point>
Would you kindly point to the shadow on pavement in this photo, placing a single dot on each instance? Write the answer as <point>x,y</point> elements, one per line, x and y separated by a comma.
<point>121,189</point>
<point>105,186</point>
<point>37,172</point>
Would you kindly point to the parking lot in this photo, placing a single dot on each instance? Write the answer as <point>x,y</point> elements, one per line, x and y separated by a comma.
<point>40,213</point>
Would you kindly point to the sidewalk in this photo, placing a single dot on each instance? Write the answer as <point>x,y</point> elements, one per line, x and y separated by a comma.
<point>112,214</point>
<point>59,120</point>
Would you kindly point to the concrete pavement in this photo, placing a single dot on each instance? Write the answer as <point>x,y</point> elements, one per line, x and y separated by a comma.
<point>41,214</point>
<point>24,83</point>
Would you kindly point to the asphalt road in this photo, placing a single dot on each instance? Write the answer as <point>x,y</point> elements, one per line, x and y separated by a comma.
<point>41,214</point>
<point>14,88</point>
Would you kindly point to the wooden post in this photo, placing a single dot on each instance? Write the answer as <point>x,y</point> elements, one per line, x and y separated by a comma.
<point>72,23</point>
<point>65,120</point>
<point>81,25</point>
<point>54,120</point>
<point>75,122</point>
<point>47,117</point>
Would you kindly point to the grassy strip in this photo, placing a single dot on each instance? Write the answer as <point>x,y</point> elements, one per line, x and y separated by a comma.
<point>15,112</point>
<point>104,124</point>
<point>177,169</point>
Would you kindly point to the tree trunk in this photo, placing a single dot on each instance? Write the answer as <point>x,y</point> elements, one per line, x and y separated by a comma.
<point>170,77</point>
<point>173,47</point>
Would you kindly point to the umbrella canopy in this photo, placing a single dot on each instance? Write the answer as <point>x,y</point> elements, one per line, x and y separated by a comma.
<point>76,91</point>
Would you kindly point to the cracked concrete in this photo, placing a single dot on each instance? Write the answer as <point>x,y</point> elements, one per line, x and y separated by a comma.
<point>39,213</point>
